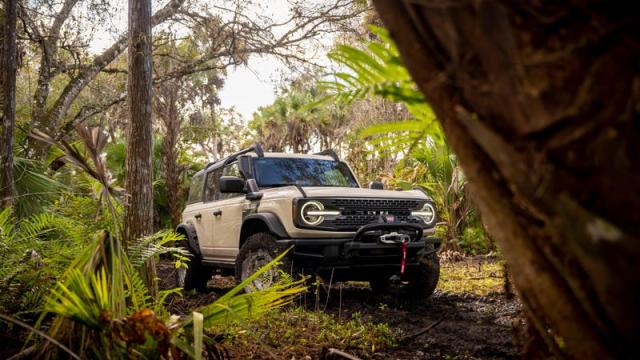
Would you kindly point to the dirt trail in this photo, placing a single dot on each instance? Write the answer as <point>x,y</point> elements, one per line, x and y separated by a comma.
<point>450,325</point>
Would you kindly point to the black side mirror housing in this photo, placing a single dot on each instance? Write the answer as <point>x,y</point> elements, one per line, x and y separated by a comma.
<point>376,185</point>
<point>231,184</point>
<point>253,191</point>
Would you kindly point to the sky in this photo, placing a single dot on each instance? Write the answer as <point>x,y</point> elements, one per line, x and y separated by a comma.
<point>249,87</point>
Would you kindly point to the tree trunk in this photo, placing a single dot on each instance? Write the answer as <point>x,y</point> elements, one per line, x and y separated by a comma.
<point>172,124</point>
<point>541,106</point>
<point>8,67</point>
<point>138,221</point>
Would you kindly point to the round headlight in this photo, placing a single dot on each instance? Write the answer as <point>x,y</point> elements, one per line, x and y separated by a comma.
<point>426,214</point>
<point>307,212</point>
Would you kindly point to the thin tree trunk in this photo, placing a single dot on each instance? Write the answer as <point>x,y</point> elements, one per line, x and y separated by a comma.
<point>541,107</point>
<point>8,69</point>
<point>138,221</point>
<point>172,171</point>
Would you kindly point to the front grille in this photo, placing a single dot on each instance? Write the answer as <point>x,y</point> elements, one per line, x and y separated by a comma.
<point>358,212</point>
<point>373,204</point>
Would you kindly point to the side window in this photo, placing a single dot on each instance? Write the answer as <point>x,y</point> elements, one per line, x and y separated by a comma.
<point>195,190</point>
<point>211,185</point>
<point>232,169</point>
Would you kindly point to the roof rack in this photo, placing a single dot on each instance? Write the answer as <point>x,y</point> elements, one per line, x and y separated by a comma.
<point>231,158</point>
<point>329,152</point>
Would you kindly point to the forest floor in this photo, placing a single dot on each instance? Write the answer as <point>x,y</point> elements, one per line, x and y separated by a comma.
<point>468,317</point>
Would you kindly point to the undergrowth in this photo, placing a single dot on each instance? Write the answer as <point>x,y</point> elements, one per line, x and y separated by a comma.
<point>296,333</point>
<point>471,276</point>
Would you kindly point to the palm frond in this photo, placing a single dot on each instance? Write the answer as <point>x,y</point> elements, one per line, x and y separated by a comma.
<point>379,71</point>
<point>234,306</point>
<point>33,188</point>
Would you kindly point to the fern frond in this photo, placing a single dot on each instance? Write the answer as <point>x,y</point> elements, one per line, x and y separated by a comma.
<point>150,247</point>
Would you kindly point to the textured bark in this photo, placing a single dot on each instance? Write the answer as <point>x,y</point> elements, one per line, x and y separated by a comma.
<point>541,105</point>
<point>138,221</point>
<point>168,112</point>
<point>8,67</point>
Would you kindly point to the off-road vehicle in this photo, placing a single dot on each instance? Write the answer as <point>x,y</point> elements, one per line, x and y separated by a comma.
<point>246,209</point>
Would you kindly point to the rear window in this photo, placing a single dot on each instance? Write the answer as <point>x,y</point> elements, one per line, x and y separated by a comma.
<point>273,172</point>
<point>195,191</point>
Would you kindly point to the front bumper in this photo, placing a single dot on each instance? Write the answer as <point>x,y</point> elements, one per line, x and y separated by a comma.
<point>363,255</point>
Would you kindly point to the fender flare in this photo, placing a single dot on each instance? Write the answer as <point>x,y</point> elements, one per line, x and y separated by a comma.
<point>192,238</point>
<point>271,220</point>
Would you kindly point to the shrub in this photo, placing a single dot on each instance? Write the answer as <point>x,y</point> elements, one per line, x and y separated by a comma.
<point>474,241</point>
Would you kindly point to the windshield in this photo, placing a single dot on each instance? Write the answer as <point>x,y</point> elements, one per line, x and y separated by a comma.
<point>270,172</point>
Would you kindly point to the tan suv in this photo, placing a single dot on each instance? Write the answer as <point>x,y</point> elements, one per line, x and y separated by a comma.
<point>244,210</point>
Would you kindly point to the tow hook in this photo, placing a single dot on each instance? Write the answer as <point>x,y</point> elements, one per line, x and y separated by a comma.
<point>395,238</point>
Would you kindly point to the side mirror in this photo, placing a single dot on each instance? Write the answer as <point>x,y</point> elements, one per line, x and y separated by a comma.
<point>253,191</point>
<point>376,185</point>
<point>231,184</point>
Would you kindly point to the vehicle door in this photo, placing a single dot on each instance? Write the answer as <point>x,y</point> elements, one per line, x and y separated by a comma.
<point>195,206</point>
<point>207,223</point>
<point>228,216</point>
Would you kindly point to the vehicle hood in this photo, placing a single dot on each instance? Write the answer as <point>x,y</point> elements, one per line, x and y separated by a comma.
<point>313,191</point>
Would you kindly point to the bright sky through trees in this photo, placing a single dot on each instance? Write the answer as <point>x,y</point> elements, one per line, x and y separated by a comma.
<point>246,87</point>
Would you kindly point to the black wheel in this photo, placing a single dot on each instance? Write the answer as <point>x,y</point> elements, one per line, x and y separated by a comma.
<point>257,251</point>
<point>422,282</point>
<point>195,276</point>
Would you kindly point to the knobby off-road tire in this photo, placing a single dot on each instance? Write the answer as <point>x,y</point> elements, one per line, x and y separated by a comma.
<point>195,277</point>
<point>423,281</point>
<point>420,282</point>
<point>257,251</point>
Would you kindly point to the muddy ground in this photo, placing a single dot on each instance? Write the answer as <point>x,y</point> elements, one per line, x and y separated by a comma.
<point>447,325</point>
<point>450,325</point>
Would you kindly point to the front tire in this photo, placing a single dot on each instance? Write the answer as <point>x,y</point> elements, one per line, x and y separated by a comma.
<point>257,251</point>
<point>423,281</point>
<point>195,277</point>
<point>419,284</point>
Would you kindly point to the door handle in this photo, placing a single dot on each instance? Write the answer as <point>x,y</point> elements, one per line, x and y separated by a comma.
<point>217,212</point>
<point>198,216</point>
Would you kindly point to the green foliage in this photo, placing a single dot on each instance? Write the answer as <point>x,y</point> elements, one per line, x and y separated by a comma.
<point>151,247</point>
<point>379,71</point>
<point>116,156</point>
<point>34,251</point>
<point>295,121</point>
<point>103,308</point>
<point>295,332</point>
<point>474,241</point>
<point>472,276</point>
<point>34,190</point>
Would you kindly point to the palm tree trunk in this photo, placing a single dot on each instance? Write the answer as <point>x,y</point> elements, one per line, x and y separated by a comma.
<point>138,220</point>
<point>8,67</point>
<point>541,107</point>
